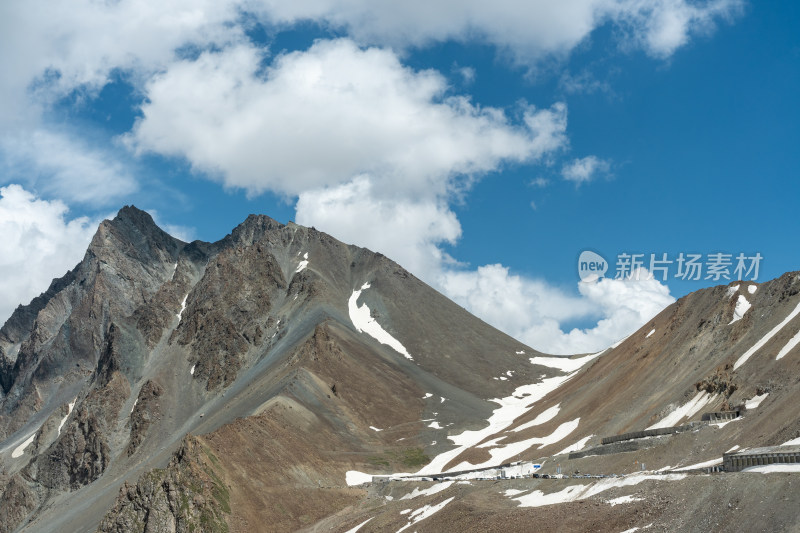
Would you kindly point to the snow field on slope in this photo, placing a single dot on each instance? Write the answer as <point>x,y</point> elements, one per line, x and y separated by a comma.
<point>364,323</point>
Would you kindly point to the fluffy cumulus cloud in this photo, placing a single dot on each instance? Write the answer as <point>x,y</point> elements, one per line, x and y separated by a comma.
<point>585,169</point>
<point>64,167</point>
<point>356,110</point>
<point>533,311</point>
<point>410,232</point>
<point>39,243</point>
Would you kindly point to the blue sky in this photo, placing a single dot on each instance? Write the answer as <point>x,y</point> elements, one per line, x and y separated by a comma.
<point>481,147</point>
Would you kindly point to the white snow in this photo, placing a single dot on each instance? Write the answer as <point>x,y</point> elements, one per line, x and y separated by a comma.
<point>575,447</point>
<point>731,291</point>
<point>793,342</point>
<point>425,512</point>
<point>134,404</point>
<point>752,289</point>
<point>69,411</point>
<point>427,395</point>
<point>434,425</point>
<point>443,399</point>
<point>793,442</point>
<point>183,307</point>
<point>359,526</point>
<point>580,492</point>
<point>755,401</point>
<point>733,449</point>
<point>705,464</point>
<point>651,332</point>
<point>405,511</point>
<point>565,364</point>
<point>354,477</point>
<point>373,428</point>
<point>760,344</point>
<point>520,352</point>
<point>769,469</point>
<point>303,264</point>
<point>742,305</point>
<point>513,492</point>
<point>503,453</point>
<point>511,408</point>
<point>545,416</point>
<point>430,491</point>
<point>623,499</point>
<point>191,371</point>
<point>364,323</point>
<point>19,450</point>
<point>687,410</point>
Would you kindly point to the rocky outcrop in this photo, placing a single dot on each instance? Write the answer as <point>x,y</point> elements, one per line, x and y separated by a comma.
<point>187,496</point>
<point>146,409</point>
<point>17,500</point>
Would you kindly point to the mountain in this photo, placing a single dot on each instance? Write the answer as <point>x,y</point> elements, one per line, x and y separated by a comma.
<point>252,384</point>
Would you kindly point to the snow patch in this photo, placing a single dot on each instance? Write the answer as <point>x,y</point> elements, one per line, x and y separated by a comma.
<point>513,492</point>
<point>752,289</point>
<point>19,450</point>
<point>623,499</point>
<point>687,410</point>
<point>651,332</point>
<point>791,345</point>
<point>425,512</point>
<point>427,395</point>
<point>565,364</point>
<point>575,447</point>
<point>354,477</point>
<point>511,408</point>
<point>191,370</point>
<point>430,491</point>
<point>545,416</point>
<point>580,492</point>
<point>760,344</point>
<point>303,264</point>
<point>735,448</point>
<point>69,411</point>
<point>520,352</point>
<point>793,442</point>
<point>742,306</point>
<point>373,428</point>
<point>364,323</point>
<point>434,425</point>
<point>183,307</point>
<point>731,291</point>
<point>755,401</point>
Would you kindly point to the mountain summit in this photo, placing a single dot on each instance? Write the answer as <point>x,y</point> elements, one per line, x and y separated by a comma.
<point>255,383</point>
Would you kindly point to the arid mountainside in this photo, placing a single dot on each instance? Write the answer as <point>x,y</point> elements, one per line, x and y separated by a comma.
<point>252,384</point>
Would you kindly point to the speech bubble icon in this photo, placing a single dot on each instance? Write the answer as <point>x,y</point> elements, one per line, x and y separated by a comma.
<point>591,266</point>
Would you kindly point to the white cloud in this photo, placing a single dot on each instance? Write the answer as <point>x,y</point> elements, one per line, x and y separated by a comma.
<point>39,243</point>
<point>320,117</point>
<point>65,167</point>
<point>530,30</point>
<point>585,169</point>
<point>533,311</point>
<point>409,232</point>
